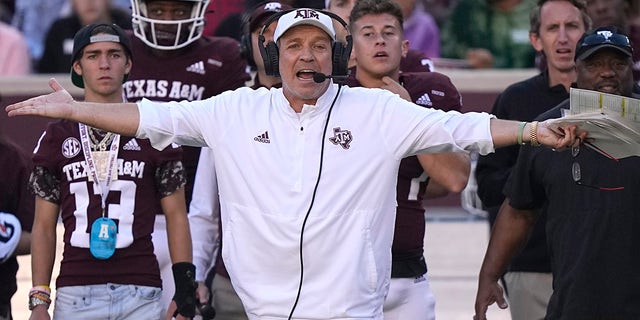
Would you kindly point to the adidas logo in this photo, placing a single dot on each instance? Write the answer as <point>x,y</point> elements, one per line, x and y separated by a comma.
<point>424,100</point>
<point>197,67</point>
<point>132,145</point>
<point>264,138</point>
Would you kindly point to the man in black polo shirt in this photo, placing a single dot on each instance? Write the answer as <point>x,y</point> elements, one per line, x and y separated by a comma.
<point>590,201</point>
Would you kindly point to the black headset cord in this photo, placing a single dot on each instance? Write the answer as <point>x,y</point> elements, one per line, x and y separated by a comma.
<point>313,197</point>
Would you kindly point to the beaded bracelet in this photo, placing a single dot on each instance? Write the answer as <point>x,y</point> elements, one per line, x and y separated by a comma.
<point>533,134</point>
<point>42,288</point>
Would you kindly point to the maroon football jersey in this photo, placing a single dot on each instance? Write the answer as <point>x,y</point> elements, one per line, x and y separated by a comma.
<point>132,202</point>
<point>431,90</point>
<point>205,68</point>
<point>415,61</point>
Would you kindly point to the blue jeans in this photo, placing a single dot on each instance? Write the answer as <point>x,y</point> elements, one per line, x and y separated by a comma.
<point>107,301</point>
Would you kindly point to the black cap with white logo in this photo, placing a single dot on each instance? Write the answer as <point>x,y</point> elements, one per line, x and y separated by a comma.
<point>97,32</point>
<point>600,38</point>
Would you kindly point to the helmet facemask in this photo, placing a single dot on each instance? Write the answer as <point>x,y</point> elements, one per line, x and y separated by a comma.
<point>168,34</point>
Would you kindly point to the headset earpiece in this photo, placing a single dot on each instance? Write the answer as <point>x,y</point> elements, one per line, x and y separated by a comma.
<point>273,59</point>
<point>246,49</point>
<point>340,53</point>
<point>269,51</point>
<point>269,54</point>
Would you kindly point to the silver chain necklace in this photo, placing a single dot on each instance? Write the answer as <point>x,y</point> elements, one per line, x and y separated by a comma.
<point>102,144</point>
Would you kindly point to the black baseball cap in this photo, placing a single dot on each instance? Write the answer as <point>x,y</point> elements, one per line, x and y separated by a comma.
<point>600,38</point>
<point>97,32</point>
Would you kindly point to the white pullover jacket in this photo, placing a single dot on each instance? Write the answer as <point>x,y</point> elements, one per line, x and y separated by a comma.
<point>267,160</point>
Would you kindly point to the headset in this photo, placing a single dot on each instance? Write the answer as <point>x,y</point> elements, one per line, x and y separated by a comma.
<point>340,52</point>
<point>246,50</point>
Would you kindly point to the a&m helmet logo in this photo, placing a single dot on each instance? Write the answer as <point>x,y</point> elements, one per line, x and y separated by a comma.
<point>606,34</point>
<point>341,137</point>
<point>70,147</point>
<point>273,6</point>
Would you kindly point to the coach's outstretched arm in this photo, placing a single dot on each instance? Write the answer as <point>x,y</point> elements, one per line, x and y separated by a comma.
<point>509,132</point>
<point>120,118</point>
<point>124,118</point>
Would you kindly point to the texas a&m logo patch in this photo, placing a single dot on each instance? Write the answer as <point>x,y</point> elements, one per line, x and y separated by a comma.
<point>341,137</point>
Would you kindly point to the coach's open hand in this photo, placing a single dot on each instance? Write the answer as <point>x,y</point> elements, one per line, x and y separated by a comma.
<point>57,104</point>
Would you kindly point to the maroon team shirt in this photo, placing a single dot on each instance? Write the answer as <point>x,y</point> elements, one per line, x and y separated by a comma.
<point>431,90</point>
<point>415,61</point>
<point>205,68</point>
<point>133,201</point>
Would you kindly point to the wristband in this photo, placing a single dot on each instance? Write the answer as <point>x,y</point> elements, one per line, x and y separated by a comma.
<point>43,288</point>
<point>185,295</point>
<point>521,132</point>
<point>533,134</point>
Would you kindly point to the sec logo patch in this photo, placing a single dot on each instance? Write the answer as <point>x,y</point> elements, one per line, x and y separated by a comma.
<point>70,147</point>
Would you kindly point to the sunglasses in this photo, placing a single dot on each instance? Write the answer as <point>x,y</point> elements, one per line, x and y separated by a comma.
<point>615,39</point>
<point>576,170</point>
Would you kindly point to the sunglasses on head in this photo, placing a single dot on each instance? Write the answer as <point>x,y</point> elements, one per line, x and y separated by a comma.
<point>597,38</point>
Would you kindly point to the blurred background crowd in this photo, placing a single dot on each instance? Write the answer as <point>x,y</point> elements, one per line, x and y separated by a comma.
<point>36,35</point>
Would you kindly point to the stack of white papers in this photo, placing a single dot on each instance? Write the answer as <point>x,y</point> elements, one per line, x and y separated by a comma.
<point>612,121</point>
<point>586,101</point>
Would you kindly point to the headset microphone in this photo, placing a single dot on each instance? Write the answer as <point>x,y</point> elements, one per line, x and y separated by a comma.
<point>321,77</point>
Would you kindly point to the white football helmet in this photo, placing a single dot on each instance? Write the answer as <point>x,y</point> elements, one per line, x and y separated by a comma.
<point>10,231</point>
<point>185,31</point>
